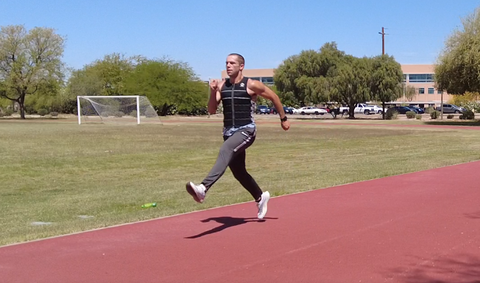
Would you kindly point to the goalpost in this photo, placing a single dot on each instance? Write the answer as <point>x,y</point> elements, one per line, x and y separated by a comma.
<point>122,109</point>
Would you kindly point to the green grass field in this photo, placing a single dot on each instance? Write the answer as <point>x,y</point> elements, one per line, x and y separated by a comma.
<point>81,177</point>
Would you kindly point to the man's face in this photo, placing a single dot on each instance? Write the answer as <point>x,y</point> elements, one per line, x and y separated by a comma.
<point>233,66</point>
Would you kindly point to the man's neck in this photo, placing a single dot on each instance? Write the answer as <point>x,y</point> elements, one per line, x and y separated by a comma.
<point>238,78</point>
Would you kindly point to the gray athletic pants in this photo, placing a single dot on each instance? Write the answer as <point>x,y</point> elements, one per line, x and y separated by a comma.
<point>232,154</point>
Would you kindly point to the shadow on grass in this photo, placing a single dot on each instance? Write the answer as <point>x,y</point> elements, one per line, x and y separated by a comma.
<point>226,222</point>
<point>29,119</point>
<point>460,268</point>
<point>329,117</point>
<point>466,123</point>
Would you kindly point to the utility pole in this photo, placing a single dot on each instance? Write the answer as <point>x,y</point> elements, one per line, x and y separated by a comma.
<point>383,40</point>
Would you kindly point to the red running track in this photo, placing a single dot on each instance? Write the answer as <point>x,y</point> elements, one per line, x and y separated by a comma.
<point>419,227</point>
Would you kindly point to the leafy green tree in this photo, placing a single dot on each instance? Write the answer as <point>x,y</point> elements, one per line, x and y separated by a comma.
<point>44,98</point>
<point>330,75</point>
<point>287,77</point>
<point>350,83</point>
<point>86,81</point>
<point>386,80</point>
<point>103,77</point>
<point>469,101</point>
<point>170,86</point>
<point>29,60</point>
<point>303,79</point>
<point>410,92</point>
<point>458,65</point>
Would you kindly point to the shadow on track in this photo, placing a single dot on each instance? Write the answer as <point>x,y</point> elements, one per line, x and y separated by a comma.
<point>226,222</point>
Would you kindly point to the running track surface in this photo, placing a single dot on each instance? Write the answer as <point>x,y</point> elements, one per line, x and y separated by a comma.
<point>412,228</point>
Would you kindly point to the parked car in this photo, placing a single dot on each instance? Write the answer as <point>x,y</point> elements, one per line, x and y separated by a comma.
<point>310,110</point>
<point>402,109</point>
<point>262,109</point>
<point>287,110</point>
<point>450,108</point>
<point>360,108</point>
<point>376,109</point>
<point>418,109</point>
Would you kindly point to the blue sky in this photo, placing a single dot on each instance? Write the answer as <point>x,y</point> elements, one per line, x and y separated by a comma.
<point>266,32</point>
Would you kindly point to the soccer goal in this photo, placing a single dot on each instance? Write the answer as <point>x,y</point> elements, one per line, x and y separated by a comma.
<point>125,109</point>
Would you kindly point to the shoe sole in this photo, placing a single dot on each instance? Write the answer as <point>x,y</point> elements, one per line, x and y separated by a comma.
<point>191,191</point>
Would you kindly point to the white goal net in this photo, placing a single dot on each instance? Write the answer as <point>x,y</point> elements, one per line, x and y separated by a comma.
<point>127,109</point>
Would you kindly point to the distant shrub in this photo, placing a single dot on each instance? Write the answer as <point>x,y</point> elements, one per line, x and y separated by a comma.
<point>450,116</point>
<point>42,112</point>
<point>8,112</point>
<point>133,113</point>
<point>54,114</point>
<point>429,110</point>
<point>467,115</point>
<point>410,114</point>
<point>119,114</point>
<point>418,116</point>
<point>434,114</point>
<point>391,114</point>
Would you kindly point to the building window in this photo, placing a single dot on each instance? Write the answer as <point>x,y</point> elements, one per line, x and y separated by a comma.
<point>431,90</point>
<point>255,78</point>
<point>404,78</point>
<point>267,80</point>
<point>421,90</point>
<point>420,78</point>
<point>439,92</point>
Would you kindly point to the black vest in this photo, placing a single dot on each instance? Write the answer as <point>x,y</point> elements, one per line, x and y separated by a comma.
<point>237,104</point>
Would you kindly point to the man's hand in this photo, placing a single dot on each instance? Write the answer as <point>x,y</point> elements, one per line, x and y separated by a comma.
<point>215,96</point>
<point>285,125</point>
<point>214,85</point>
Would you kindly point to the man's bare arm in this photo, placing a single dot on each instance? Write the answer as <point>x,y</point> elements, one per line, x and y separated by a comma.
<point>260,89</point>
<point>215,96</point>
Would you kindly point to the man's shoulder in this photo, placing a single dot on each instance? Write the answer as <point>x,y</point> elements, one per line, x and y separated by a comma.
<point>253,84</point>
<point>223,82</point>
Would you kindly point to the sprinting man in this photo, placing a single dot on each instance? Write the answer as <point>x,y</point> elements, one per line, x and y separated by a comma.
<point>238,95</point>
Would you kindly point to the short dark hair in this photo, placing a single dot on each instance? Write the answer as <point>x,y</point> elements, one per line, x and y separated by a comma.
<point>240,57</point>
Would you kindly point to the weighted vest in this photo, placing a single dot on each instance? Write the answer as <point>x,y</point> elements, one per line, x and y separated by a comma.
<point>238,107</point>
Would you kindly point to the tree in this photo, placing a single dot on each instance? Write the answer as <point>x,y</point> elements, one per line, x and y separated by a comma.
<point>28,61</point>
<point>468,101</point>
<point>168,85</point>
<point>103,77</point>
<point>410,92</point>
<point>332,76</point>
<point>351,82</point>
<point>386,80</point>
<point>44,98</point>
<point>84,82</point>
<point>302,79</point>
<point>458,65</point>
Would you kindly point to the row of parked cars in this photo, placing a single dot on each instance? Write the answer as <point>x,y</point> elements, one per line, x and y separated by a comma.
<point>313,110</point>
<point>263,109</point>
<point>307,110</point>
<point>447,108</point>
<point>405,109</point>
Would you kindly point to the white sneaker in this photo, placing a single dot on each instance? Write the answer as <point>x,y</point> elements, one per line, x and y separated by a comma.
<point>196,191</point>
<point>262,205</point>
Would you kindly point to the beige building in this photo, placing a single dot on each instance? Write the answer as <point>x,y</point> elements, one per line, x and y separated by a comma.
<point>419,76</point>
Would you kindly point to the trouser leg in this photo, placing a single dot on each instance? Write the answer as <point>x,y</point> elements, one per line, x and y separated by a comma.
<point>239,170</point>
<point>232,147</point>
